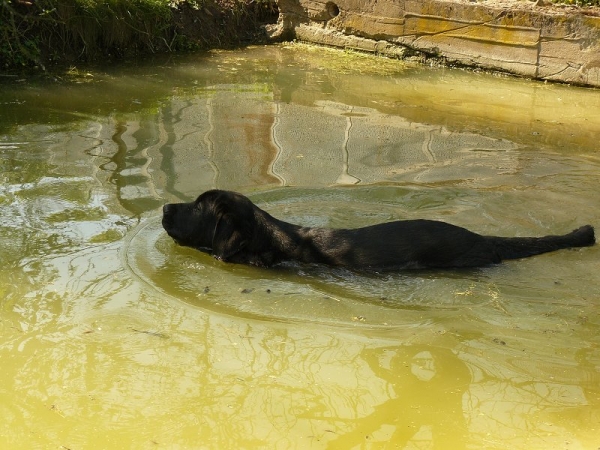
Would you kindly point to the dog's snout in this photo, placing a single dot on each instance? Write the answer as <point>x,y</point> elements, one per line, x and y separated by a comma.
<point>168,208</point>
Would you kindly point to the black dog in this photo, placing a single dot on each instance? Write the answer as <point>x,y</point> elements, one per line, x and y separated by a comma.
<point>231,228</point>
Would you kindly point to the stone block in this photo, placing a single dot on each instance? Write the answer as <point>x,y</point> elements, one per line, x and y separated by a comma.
<point>524,40</point>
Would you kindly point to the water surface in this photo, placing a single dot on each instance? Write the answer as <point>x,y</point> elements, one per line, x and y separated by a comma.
<point>112,336</point>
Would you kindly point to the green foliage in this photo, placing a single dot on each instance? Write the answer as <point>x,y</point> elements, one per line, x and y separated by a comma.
<point>82,29</point>
<point>115,26</point>
<point>16,47</point>
<point>578,2</point>
<point>33,33</point>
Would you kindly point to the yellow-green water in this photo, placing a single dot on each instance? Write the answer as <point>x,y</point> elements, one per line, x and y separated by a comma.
<point>111,336</point>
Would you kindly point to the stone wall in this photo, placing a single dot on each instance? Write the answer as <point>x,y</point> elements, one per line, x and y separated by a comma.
<point>544,43</point>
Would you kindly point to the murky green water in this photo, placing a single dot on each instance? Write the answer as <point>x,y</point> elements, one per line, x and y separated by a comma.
<point>111,336</point>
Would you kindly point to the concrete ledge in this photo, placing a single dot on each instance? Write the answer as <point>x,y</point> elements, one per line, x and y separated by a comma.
<point>545,43</point>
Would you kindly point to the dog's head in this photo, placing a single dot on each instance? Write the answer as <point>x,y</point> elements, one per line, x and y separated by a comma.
<point>219,222</point>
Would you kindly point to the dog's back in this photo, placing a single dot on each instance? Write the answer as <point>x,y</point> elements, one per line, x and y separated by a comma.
<point>233,229</point>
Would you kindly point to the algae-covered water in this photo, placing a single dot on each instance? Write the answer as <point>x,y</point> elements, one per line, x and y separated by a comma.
<point>112,336</point>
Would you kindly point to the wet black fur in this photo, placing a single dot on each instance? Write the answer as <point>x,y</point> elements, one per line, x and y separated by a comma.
<point>233,229</point>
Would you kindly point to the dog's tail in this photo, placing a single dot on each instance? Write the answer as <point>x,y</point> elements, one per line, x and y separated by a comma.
<point>521,247</point>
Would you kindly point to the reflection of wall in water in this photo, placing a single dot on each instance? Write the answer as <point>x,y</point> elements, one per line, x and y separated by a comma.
<point>239,138</point>
<point>223,139</point>
<point>334,143</point>
<point>244,148</point>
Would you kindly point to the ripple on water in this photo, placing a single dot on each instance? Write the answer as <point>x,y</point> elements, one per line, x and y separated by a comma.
<point>305,293</point>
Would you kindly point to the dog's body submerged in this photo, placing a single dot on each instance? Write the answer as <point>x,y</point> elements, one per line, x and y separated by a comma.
<point>233,229</point>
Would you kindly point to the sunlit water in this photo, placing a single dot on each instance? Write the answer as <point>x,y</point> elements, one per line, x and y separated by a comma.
<point>112,336</point>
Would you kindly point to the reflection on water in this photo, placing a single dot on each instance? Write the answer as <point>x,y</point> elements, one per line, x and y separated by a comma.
<point>113,336</point>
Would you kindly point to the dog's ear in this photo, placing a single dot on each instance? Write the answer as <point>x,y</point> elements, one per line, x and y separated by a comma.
<point>229,237</point>
<point>234,227</point>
